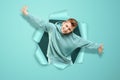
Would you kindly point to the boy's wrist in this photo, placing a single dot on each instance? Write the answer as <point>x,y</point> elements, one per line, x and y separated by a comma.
<point>26,13</point>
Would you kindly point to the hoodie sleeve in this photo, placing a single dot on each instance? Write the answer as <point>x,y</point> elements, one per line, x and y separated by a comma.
<point>39,23</point>
<point>80,42</point>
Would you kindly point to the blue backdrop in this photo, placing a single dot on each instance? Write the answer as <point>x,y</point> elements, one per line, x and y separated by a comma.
<point>17,61</point>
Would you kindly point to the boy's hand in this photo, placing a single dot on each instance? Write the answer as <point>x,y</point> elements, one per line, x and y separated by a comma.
<point>100,49</point>
<point>24,10</point>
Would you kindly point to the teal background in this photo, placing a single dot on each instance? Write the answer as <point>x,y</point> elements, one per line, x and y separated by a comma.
<point>17,61</point>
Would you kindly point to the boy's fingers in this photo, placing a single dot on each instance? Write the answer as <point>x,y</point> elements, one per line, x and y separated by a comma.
<point>102,46</point>
<point>25,7</point>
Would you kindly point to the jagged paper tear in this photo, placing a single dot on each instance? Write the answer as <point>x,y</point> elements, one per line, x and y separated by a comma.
<point>37,36</point>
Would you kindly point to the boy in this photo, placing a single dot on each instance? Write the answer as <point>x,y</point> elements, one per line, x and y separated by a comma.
<point>62,40</point>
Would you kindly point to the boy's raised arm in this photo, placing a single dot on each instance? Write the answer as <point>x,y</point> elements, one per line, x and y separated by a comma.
<point>38,23</point>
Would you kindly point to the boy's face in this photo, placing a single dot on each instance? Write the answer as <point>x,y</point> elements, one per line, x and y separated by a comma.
<point>67,27</point>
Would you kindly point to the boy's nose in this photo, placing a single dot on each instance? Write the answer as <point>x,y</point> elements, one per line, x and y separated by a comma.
<point>65,29</point>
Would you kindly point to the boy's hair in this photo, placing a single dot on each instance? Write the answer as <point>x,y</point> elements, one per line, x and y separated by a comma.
<point>73,22</point>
